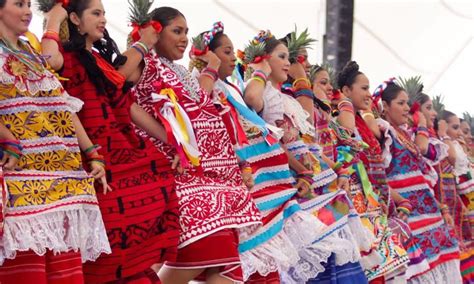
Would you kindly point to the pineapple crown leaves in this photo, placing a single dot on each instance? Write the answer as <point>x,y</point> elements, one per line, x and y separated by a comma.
<point>413,86</point>
<point>297,42</point>
<point>46,5</point>
<point>438,104</point>
<point>203,40</point>
<point>139,11</point>
<point>199,42</point>
<point>253,50</point>
<point>470,120</point>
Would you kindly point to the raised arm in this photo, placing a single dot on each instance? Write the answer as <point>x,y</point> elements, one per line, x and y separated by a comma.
<point>50,41</point>
<point>253,94</point>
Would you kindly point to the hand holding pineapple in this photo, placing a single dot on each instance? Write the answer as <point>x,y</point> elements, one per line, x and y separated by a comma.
<point>55,16</point>
<point>297,71</point>
<point>262,66</point>
<point>149,36</point>
<point>210,58</point>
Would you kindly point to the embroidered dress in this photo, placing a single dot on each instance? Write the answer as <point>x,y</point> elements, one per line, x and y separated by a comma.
<point>140,214</point>
<point>410,176</point>
<point>286,231</point>
<point>463,176</point>
<point>343,233</point>
<point>368,197</point>
<point>50,206</point>
<point>211,196</point>
<point>373,161</point>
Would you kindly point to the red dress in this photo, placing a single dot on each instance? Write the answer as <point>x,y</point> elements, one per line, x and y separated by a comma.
<point>212,198</point>
<point>140,214</point>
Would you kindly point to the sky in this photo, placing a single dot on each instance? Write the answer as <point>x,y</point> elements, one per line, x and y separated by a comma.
<point>391,38</point>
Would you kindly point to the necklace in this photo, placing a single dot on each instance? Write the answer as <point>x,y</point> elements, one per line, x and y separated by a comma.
<point>22,58</point>
<point>406,141</point>
<point>190,84</point>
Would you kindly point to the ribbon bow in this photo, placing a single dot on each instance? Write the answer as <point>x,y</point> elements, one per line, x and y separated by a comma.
<point>136,27</point>
<point>262,36</point>
<point>217,27</point>
<point>377,95</point>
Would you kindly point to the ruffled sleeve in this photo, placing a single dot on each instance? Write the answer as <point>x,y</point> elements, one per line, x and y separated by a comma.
<point>462,165</point>
<point>437,151</point>
<point>387,140</point>
<point>73,103</point>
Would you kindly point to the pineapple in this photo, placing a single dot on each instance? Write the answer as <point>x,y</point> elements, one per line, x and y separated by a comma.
<point>470,120</point>
<point>413,86</point>
<point>199,44</point>
<point>139,11</point>
<point>253,50</point>
<point>438,104</point>
<point>46,6</point>
<point>196,63</point>
<point>298,42</point>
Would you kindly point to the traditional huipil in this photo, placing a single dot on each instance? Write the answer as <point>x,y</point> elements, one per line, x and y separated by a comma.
<point>463,173</point>
<point>388,258</point>
<point>140,214</point>
<point>212,199</point>
<point>287,232</point>
<point>374,163</point>
<point>412,178</point>
<point>51,218</point>
<point>343,229</point>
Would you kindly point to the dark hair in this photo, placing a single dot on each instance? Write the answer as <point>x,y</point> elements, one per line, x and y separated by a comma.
<point>271,44</point>
<point>165,15</point>
<point>348,74</point>
<point>447,115</point>
<point>422,98</point>
<point>216,41</point>
<point>2,3</point>
<point>107,49</point>
<point>391,92</point>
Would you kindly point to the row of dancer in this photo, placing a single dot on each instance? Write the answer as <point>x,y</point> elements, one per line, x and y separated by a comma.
<point>199,178</point>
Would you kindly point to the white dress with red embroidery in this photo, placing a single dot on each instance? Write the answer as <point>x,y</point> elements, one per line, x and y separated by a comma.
<point>211,196</point>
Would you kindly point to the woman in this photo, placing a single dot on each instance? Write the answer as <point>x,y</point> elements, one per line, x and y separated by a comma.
<point>410,176</point>
<point>463,178</point>
<point>213,201</point>
<point>50,215</point>
<point>287,232</point>
<point>444,163</point>
<point>343,230</point>
<point>140,213</point>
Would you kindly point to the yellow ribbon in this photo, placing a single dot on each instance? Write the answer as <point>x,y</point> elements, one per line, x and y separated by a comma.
<point>181,122</point>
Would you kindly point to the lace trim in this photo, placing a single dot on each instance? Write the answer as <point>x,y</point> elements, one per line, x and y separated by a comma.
<point>79,228</point>
<point>387,141</point>
<point>462,165</point>
<point>447,273</point>
<point>74,104</point>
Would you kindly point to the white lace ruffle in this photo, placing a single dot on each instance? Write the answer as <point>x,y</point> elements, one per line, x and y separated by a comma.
<point>74,104</point>
<point>79,228</point>
<point>446,273</point>
<point>273,108</point>
<point>462,165</point>
<point>385,128</point>
<point>299,116</point>
<point>339,240</point>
